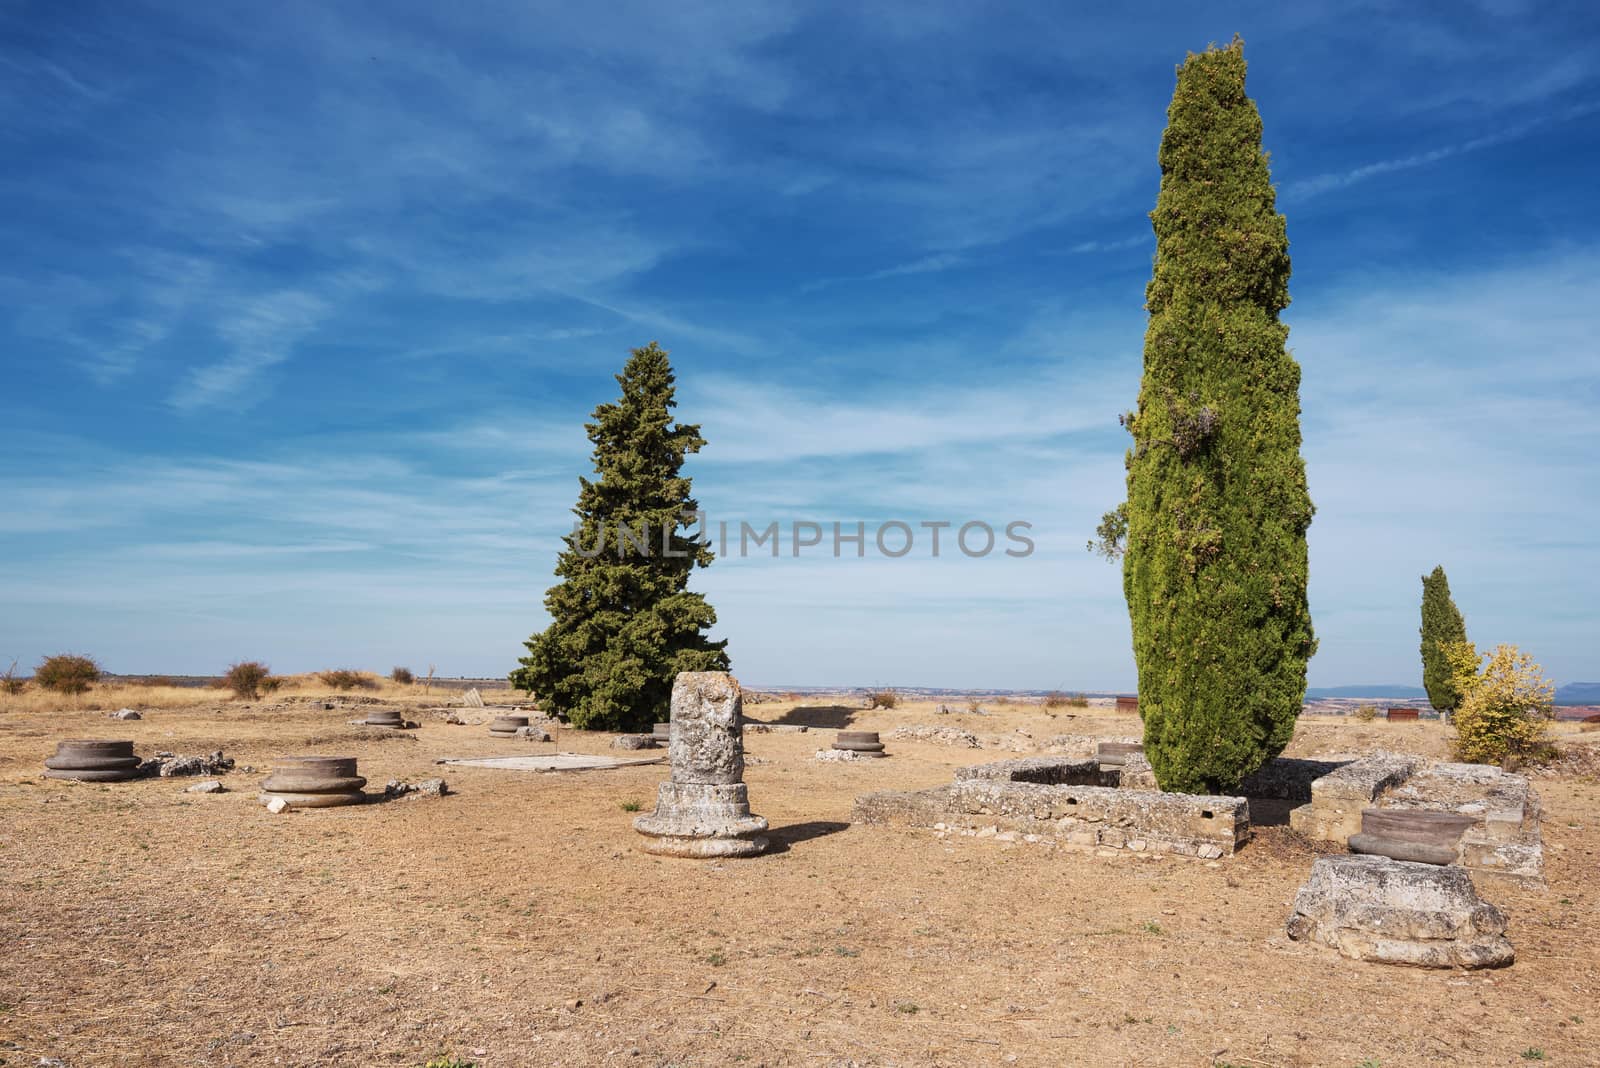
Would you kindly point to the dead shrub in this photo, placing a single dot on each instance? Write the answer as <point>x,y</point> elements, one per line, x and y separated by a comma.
<point>245,678</point>
<point>1365,713</point>
<point>882,698</point>
<point>403,675</point>
<point>1057,699</point>
<point>67,673</point>
<point>10,684</point>
<point>346,679</point>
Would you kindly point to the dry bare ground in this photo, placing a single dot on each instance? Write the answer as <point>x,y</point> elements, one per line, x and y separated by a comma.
<point>516,922</point>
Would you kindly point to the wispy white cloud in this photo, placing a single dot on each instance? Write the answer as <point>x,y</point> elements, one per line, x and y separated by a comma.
<point>260,332</point>
<point>1306,188</point>
<point>1084,247</point>
<point>929,264</point>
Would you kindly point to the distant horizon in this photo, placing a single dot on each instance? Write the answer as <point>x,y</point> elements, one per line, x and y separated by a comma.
<point>1407,690</point>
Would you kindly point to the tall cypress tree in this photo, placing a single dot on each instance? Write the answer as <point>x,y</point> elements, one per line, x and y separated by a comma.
<point>1441,622</point>
<point>623,621</point>
<point>1217,510</point>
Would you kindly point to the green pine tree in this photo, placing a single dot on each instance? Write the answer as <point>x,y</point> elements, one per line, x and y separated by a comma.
<point>623,621</point>
<point>1441,623</point>
<point>1217,511</point>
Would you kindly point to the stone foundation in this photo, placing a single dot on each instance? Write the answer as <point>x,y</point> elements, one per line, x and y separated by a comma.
<point>1061,800</point>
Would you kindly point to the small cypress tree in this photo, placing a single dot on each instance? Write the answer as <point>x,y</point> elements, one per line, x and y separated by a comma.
<point>623,622</point>
<point>1441,625</point>
<point>1217,511</point>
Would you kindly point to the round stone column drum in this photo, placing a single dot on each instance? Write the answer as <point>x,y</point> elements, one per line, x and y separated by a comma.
<point>662,733</point>
<point>384,717</point>
<point>1417,835</point>
<point>507,726</point>
<point>314,782</point>
<point>863,743</point>
<point>92,760</point>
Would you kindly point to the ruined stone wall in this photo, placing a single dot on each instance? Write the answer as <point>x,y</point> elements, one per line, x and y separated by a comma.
<point>991,805</point>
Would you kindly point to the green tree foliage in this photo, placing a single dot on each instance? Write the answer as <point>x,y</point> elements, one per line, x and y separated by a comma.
<point>623,621</point>
<point>1214,564</point>
<point>66,673</point>
<point>1441,625</point>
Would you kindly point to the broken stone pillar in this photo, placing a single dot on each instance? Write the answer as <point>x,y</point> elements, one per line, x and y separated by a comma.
<point>704,811</point>
<point>1399,912</point>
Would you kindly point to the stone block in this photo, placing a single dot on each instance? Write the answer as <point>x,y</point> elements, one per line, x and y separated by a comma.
<point>1397,912</point>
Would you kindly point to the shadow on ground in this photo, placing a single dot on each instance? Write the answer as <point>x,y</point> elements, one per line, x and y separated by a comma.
<point>1270,811</point>
<point>784,837</point>
<point>828,716</point>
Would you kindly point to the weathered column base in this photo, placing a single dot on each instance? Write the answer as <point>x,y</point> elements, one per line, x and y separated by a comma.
<point>703,820</point>
<point>1399,912</point>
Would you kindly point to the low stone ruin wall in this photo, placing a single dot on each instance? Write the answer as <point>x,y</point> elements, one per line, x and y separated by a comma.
<point>1503,837</point>
<point>1045,771</point>
<point>1059,799</point>
<point>1334,811</point>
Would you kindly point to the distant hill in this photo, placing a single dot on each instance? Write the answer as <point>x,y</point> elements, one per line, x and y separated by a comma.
<point>1410,693</point>
<point>1578,693</point>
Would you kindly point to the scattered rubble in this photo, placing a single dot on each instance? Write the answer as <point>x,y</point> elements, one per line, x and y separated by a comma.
<point>210,786</point>
<point>277,805</point>
<point>124,713</point>
<point>940,735</point>
<point>425,788</point>
<point>166,765</point>
<point>634,741</point>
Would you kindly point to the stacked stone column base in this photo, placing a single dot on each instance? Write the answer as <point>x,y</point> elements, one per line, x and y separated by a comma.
<point>703,820</point>
<point>704,809</point>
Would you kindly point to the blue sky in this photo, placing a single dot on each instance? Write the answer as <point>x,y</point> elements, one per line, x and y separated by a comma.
<point>303,307</point>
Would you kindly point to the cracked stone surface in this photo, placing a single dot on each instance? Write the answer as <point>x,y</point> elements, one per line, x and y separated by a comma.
<point>704,809</point>
<point>1399,912</point>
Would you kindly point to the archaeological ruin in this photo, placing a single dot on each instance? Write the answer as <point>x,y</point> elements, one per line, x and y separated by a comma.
<point>703,810</point>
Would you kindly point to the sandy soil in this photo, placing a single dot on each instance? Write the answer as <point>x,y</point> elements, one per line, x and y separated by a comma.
<point>516,923</point>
